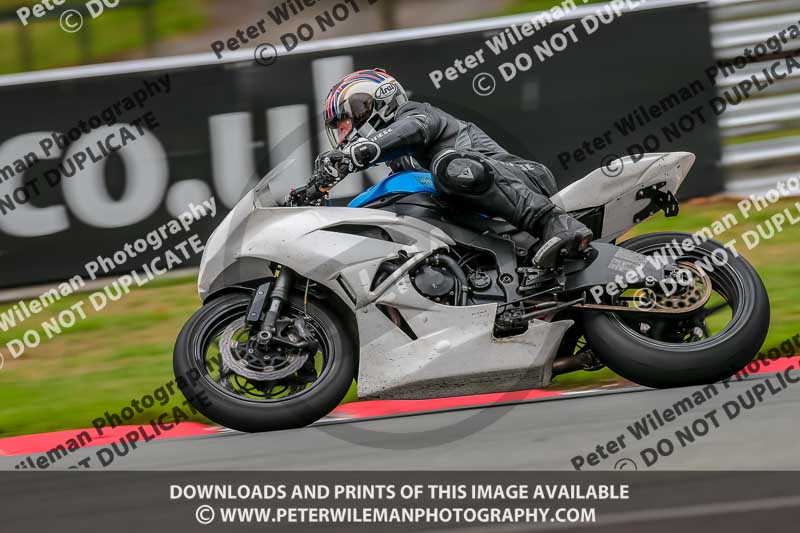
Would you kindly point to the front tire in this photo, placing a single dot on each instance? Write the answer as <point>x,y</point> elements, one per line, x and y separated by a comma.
<point>213,391</point>
<point>663,362</point>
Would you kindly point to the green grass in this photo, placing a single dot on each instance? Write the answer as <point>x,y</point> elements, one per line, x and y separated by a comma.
<point>760,137</point>
<point>115,32</point>
<point>102,363</point>
<point>526,6</point>
<point>125,351</point>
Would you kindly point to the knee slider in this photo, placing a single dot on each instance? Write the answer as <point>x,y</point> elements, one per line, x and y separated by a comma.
<point>464,175</point>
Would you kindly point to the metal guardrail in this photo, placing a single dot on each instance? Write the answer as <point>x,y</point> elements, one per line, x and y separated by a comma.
<point>752,165</point>
<point>740,9</point>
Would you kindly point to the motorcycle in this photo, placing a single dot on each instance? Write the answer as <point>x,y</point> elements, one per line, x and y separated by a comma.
<point>412,299</point>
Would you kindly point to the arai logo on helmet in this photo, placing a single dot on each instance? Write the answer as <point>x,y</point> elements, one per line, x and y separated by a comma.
<point>386,90</point>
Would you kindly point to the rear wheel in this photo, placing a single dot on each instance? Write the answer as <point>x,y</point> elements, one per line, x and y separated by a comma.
<point>705,345</point>
<point>297,378</point>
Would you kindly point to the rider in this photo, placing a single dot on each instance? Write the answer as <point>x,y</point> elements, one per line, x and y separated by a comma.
<point>370,120</point>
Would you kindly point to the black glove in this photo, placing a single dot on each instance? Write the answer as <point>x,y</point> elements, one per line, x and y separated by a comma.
<point>358,155</point>
<point>363,153</point>
<point>332,167</point>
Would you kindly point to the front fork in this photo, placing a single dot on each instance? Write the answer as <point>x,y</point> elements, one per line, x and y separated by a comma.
<point>269,300</point>
<point>274,293</point>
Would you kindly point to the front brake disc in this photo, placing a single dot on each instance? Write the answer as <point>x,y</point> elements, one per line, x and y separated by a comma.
<point>227,345</point>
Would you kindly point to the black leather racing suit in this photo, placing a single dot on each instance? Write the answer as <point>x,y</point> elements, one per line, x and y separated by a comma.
<point>513,188</point>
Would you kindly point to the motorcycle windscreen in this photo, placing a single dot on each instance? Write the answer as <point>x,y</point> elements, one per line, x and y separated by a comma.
<point>262,193</point>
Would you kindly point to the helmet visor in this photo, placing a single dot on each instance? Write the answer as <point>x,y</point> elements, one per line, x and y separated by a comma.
<point>339,131</point>
<point>361,108</point>
<point>356,111</point>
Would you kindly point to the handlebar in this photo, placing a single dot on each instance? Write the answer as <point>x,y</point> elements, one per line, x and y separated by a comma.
<point>307,195</point>
<point>316,190</point>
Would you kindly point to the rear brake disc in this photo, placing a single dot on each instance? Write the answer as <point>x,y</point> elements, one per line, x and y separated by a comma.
<point>647,301</point>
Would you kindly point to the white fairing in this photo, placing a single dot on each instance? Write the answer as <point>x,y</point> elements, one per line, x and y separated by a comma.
<point>451,350</point>
<point>304,239</point>
<point>454,352</point>
<point>618,192</point>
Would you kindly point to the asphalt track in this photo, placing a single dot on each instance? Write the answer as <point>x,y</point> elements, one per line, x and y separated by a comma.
<point>539,435</point>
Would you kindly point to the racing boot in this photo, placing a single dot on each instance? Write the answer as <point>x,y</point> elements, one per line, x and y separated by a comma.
<point>562,236</point>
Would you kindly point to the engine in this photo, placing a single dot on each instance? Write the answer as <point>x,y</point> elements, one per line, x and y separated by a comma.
<point>435,282</point>
<point>470,278</point>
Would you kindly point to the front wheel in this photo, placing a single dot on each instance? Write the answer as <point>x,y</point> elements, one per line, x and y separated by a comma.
<point>297,378</point>
<point>703,346</point>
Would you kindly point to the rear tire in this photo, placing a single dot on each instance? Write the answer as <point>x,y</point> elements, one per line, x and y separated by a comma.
<point>253,415</point>
<point>660,364</point>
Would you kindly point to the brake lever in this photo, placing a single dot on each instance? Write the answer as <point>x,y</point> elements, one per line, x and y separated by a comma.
<point>307,195</point>
<point>310,193</point>
<point>315,197</point>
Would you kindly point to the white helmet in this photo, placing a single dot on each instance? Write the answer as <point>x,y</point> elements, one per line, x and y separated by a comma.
<point>361,104</point>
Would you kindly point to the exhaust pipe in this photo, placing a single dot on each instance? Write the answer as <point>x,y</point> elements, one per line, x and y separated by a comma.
<point>584,360</point>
